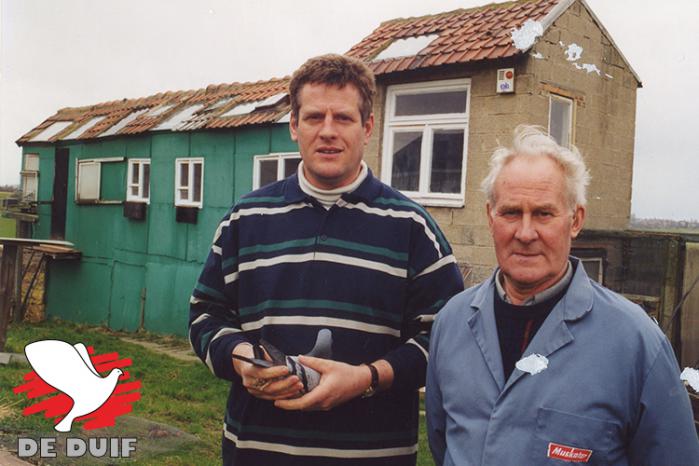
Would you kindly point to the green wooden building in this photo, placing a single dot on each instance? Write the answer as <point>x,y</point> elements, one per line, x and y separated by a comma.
<point>139,187</point>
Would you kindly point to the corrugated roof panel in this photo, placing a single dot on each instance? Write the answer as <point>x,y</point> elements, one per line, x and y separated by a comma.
<point>406,47</point>
<point>178,118</point>
<point>51,131</point>
<point>124,122</point>
<point>84,127</point>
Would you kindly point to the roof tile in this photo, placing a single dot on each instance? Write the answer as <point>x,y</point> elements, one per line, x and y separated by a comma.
<point>464,35</point>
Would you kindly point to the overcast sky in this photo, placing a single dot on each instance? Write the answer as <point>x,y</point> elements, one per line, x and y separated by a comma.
<point>62,53</point>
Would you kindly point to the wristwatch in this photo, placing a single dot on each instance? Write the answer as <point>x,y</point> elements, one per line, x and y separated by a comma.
<point>374,386</point>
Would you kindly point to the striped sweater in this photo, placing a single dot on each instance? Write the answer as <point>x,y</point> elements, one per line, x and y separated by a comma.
<point>374,269</point>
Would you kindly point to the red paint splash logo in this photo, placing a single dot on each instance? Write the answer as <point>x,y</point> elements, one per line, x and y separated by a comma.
<point>55,402</point>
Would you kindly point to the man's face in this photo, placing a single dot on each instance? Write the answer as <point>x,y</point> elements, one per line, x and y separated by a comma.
<point>532,224</point>
<point>330,134</point>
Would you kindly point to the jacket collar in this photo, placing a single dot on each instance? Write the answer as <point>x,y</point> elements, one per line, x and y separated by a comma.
<point>553,334</point>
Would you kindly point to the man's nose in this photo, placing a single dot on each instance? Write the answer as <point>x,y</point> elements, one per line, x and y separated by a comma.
<point>526,231</point>
<point>328,130</point>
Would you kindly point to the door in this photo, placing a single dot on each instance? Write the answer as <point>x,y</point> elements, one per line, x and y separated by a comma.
<point>60,194</point>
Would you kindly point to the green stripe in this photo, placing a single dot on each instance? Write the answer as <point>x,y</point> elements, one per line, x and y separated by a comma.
<point>295,243</point>
<point>204,341</point>
<point>338,243</point>
<point>435,229</point>
<point>230,262</point>
<point>364,437</point>
<point>210,291</point>
<point>267,199</point>
<point>400,256</point>
<point>318,304</point>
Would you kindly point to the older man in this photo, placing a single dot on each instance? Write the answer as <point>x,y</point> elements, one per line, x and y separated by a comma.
<point>329,247</point>
<point>539,364</point>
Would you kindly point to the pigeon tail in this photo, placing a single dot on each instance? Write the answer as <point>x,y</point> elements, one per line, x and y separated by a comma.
<point>65,424</point>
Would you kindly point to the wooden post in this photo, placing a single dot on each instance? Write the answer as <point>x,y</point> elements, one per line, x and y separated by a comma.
<point>8,281</point>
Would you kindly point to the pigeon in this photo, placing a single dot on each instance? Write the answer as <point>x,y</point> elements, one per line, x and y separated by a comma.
<point>68,369</point>
<point>309,377</point>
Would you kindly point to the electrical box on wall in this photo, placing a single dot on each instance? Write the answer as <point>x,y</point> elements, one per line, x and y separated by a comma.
<point>506,80</point>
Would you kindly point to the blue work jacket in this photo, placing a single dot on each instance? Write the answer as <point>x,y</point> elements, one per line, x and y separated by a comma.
<point>611,394</point>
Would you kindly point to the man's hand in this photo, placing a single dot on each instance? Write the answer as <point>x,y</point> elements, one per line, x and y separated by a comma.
<point>339,383</point>
<point>273,383</point>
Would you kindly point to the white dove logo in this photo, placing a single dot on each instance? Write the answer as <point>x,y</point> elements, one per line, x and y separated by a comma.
<point>68,368</point>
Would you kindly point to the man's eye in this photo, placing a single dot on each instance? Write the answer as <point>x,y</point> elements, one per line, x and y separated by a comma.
<point>509,213</point>
<point>544,214</point>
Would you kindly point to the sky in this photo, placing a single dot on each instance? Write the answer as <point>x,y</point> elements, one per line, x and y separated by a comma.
<point>67,53</point>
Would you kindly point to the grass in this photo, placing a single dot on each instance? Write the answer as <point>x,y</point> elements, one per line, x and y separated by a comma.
<point>179,393</point>
<point>7,225</point>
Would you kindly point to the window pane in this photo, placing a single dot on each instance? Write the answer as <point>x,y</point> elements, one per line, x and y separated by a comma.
<point>447,160</point>
<point>31,162</point>
<point>197,182</point>
<point>146,181</point>
<point>405,175</point>
<point>290,166</point>
<point>268,172</point>
<point>29,186</point>
<point>134,191</point>
<point>134,172</point>
<point>88,181</point>
<point>593,267</point>
<point>559,123</point>
<point>184,174</point>
<point>184,194</point>
<point>430,103</point>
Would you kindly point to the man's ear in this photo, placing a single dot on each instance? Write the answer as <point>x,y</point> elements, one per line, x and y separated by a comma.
<point>368,128</point>
<point>293,126</point>
<point>578,221</point>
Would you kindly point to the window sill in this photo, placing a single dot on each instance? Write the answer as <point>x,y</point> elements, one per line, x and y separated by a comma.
<point>428,200</point>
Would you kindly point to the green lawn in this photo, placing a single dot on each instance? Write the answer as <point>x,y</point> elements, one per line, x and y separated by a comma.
<point>178,393</point>
<point>7,225</point>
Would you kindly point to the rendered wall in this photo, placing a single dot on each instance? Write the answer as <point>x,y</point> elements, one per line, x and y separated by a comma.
<point>141,272</point>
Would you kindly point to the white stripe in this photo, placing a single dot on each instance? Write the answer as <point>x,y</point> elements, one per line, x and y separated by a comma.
<point>219,334</point>
<point>257,211</point>
<point>450,259</point>
<point>230,278</point>
<point>413,342</point>
<point>200,318</point>
<point>398,214</point>
<point>217,250</point>
<point>323,256</point>
<point>316,451</point>
<point>320,322</point>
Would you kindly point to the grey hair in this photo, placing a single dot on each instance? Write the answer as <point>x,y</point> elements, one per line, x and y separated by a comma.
<point>531,141</point>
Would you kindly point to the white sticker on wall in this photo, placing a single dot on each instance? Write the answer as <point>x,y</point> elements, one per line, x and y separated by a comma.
<point>691,376</point>
<point>533,364</point>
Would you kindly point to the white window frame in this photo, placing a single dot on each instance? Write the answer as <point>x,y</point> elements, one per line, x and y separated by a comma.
<point>79,166</point>
<point>30,173</point>
<point>140,186</point>
<point>280,157</point>
<point>571,123</point>
<point>427,124</point>
<point>189,202</point>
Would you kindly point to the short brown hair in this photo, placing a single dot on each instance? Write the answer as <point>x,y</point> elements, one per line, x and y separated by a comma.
<point>334,70</point>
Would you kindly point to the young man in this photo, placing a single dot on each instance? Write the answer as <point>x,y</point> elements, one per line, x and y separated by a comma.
<point>539,364</point>
<point>329,247</point>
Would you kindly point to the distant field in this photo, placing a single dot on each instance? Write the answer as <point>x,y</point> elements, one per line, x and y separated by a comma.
<point>7,225</point>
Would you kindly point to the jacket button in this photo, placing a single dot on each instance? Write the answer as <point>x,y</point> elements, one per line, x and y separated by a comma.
<point>323,237</point>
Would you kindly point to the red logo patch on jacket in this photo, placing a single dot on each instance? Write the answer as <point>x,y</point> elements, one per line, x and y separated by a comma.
<point>569,454</point>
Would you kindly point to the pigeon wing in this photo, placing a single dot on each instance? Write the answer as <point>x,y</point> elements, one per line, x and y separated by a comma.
<point>82,351</point>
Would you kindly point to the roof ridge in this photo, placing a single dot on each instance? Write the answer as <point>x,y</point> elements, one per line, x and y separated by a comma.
<point>146,101</point>
<point>488,6</point>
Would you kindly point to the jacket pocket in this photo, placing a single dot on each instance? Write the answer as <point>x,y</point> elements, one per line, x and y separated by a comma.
<point>565,438</point>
